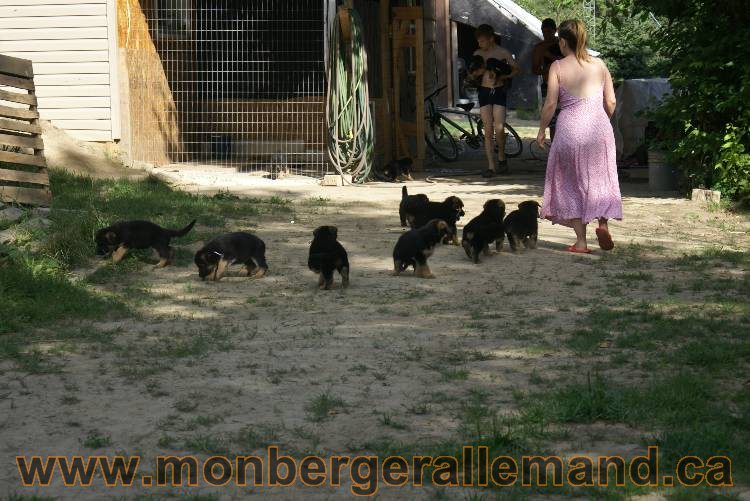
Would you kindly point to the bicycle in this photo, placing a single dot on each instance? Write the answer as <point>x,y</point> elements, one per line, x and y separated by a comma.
<point>440,140</point>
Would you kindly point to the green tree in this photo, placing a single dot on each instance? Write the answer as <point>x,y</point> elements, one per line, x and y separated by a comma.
<point>705,124</point>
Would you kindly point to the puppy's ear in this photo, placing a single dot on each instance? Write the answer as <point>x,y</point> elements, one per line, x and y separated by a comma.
<point>316,232</point>
<point>334,231</point>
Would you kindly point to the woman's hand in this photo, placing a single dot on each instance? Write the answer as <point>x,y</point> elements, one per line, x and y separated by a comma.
<point>541,137</point>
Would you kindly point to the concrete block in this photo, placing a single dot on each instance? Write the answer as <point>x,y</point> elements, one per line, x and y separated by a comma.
<point>699,195</point>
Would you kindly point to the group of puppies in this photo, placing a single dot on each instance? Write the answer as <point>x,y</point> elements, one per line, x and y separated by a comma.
<point>435,222</point>
<point>431,223</point>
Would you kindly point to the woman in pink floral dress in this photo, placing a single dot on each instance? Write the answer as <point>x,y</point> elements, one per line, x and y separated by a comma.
<point>581,183</point>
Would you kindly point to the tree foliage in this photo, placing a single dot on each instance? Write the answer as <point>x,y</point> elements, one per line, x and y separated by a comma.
<point>705,124</point>
<point>622,37</point>
<point>703,47</point>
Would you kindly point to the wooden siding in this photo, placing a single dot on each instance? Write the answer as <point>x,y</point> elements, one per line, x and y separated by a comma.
<point>73,47</point>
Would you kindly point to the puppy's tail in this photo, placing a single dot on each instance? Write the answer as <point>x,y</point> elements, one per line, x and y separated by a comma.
<point>184,231</point>
<point>404,193</point>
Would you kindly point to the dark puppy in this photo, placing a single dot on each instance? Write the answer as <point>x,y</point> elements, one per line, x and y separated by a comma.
<point>449,210</point>
<point>216,256</point>
<point>122,236</point>
<point>397,170</point>
<point>416,245</point>
<point>484,229</point>
<point>522,226</point>
<point>326,255</point>
<point>410,204</point>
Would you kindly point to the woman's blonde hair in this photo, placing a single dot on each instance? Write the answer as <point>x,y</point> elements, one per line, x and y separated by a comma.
<point>574,33</point>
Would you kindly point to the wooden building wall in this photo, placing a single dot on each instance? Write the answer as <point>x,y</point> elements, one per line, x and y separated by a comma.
<point>72,44</point>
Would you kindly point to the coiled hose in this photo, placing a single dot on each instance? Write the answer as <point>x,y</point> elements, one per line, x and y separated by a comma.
<point>351,140</point>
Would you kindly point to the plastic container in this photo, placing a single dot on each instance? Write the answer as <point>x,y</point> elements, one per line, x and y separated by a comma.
<point>661,175</point>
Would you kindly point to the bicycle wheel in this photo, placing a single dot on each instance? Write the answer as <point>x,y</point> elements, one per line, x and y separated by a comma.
<point>513,143</point>
<point>440,140</point>
<point>537,152</point>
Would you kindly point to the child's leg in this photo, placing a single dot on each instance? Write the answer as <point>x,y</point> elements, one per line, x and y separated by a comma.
<point>489,135</point>
<point>498,115</point>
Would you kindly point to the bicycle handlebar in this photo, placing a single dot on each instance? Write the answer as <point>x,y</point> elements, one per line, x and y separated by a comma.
<point>436,93</point>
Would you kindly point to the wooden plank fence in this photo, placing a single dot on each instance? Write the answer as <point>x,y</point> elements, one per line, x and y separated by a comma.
<point>23,170</point>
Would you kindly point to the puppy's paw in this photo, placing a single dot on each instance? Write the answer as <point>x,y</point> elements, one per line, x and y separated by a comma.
<point>428,275</point>
<point>262,272</point>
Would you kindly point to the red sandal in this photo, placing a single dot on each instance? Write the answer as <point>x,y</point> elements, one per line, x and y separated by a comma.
<point>576,250</point>
<point>605,239</point>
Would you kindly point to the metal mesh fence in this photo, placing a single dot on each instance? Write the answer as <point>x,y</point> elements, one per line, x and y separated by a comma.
<point>232,83</point>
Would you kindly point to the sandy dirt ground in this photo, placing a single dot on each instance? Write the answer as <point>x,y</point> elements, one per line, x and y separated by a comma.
<point>236,365</point>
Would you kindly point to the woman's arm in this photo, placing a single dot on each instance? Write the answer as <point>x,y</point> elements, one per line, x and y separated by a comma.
<point>550,104</point>
<point>610,102</point>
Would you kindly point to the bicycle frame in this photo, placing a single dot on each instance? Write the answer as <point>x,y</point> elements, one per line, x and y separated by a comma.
<point>473,119</point>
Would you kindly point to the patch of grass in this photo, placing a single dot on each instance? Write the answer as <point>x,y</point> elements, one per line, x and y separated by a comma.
<point>419,409</point>
<point>69,400</point>
<point>451,374</point>
<point>323,406</point>
<point>37,291</point>
<point>633,277</point>
<point>190,344</point>
<point>388,420</point>
<point>204,421</point>
<point>716,356</point>
<point>23,497</point>
<point>690,410</point>
<point>115,273</point>
<point>316,202</point>
<point>256,437</point>
<point>82,205</point>
<point>15,347</point>
<point>586,340</point>
<point>208,444</point>
<point>712,257</point>
<point>186,404</point>
<point>95,440</point>
<point>166,441</point>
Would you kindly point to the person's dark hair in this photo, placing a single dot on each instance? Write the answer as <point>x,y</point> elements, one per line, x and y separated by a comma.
<point>485,30</point>
<point>549,23</point>
<point>573,32</point>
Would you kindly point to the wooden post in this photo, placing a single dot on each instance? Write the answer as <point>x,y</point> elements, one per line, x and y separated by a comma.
<point>404,38</point>
<point>386,124</point>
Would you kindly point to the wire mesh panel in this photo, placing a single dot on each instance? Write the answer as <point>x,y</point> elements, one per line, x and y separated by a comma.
<point>230,82</point>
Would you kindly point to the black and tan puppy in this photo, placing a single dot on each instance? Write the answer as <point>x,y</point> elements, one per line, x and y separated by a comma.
<point>416,245</point>
<point>484,229</point>
<point>449,210</point>
<point>410,205</point>
<point>122,236</point>
<point>216,256</point>
<point>522,226</point>
<point>397,170</point>
<point>327,255</point>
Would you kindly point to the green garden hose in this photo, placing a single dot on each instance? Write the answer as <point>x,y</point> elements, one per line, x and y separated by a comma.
<point>351,140</point>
